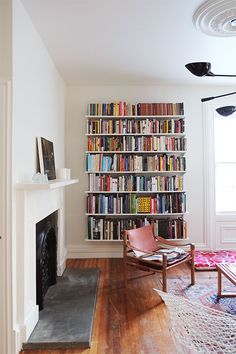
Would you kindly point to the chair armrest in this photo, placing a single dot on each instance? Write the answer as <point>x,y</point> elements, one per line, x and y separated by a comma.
<point>145,254</point>
<point>180,243</point>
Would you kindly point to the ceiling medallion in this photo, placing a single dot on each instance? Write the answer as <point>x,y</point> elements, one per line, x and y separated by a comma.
<point>216,18</point>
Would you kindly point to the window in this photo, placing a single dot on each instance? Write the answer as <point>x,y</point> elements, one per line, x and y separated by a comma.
<point>225,164</point>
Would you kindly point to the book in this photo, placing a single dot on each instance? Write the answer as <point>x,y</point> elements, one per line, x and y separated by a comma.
<point>144,204</point>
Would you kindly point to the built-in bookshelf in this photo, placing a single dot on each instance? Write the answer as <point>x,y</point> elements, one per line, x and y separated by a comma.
<point>135,162</point>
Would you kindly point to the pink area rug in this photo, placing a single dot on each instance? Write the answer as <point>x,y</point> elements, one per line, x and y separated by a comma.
<point>206,260</point>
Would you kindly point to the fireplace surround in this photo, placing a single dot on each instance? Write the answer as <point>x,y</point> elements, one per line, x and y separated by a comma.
<point>35,202</point>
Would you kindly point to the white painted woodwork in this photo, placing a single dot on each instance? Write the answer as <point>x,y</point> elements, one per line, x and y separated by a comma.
<point>220,229</point>
<point>33,205</point>
<point>5,236</point>
<point>52,184</point>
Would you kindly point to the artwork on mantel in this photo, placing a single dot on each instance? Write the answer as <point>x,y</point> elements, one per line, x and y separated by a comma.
<point>46,157</point>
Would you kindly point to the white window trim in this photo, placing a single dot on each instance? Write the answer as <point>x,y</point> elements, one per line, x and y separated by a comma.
<point>209,172</point>
<point>6,243</point>
<point>210,216</point>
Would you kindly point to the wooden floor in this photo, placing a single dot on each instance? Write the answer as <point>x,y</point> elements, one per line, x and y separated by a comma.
<point>130,320</point>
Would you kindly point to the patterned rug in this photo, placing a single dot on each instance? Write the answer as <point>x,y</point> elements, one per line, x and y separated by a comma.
<point>204,291</point>
<point>206,260</point>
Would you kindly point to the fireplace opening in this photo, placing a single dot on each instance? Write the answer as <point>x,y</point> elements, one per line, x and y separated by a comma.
<point>46,255</point>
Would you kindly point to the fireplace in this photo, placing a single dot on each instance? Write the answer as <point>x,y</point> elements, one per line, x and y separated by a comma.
<point>46,255</point>
<point>35,202</point>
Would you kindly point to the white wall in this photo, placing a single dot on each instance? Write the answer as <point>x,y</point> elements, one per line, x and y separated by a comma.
<point>77,100</point>
<point>38,110</point>
<point>38,98</point>
<point>5,38</point>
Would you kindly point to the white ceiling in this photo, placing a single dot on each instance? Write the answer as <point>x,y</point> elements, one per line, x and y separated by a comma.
<point>129,41</point>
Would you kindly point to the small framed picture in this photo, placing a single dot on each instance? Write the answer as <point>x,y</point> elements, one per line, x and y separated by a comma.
<point>46,157</point>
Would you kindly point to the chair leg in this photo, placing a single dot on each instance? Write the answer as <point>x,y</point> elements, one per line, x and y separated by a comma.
<point>192,264</point>
<point>164,286</point>
<point>125,273</point>
<point>192,273</point>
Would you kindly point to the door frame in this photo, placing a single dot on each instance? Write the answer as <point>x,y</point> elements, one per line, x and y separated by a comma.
<point>6,217</point>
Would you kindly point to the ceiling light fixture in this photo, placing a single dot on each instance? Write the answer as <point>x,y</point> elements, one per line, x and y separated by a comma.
<point>216,18</point>
<point>226,110</point>
<point>223,111</point>
<point>213,97</point>
<point>233,22</point>
<point>203,69</point>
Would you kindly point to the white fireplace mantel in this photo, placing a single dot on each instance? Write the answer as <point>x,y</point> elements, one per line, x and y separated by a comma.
<point>35,201</point>
<point>55,183</point>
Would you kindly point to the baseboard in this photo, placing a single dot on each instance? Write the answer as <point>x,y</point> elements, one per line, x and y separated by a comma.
<point>106,251</point>
<point>94,251</point>
<point>202,247</point>
<point>31,321</point>
<point>22,332</point>
<point>16,342</point>
<point>61,266</point>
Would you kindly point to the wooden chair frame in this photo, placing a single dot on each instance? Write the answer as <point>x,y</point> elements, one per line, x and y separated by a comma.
<point>130,259</point>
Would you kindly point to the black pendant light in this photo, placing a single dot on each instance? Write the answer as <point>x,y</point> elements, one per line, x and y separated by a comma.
<point>203,69</point>
<point>226,111</point>
<point>213,97</point>
<point>223,111</point>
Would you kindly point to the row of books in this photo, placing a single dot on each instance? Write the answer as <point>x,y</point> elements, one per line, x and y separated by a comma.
<point>99,182</point>
<point>113,229</point>
<point>134,163</point>
<point>136,143</point>
<point>105,229</point>
<point>135,126</point>
<point>120,108</point>
<point>133,204</point>
<point>144,109</point>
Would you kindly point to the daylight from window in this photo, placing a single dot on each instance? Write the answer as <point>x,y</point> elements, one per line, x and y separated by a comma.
<point>225,164</point>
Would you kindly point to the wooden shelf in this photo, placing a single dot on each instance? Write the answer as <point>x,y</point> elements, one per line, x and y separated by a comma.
<point>88,240</point>
<point>170,152</point>
<point>138,214</point>
<point>137,117</point>
<point>56,183</point>
<point>138,172</point>
<point>178,241</point>
<point>137,134</point>
<point>133,192</point>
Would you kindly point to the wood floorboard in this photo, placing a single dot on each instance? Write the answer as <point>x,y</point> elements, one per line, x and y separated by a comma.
<point>130,320</point>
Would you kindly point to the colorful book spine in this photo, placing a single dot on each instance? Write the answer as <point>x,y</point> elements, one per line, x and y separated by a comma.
<point>113,229</point>
<point>119,108</point>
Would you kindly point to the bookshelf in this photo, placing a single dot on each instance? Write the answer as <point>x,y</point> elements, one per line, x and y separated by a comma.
<point>135,162</point>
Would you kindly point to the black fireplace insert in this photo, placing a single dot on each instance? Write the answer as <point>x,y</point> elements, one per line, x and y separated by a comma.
<point>46,255</point>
